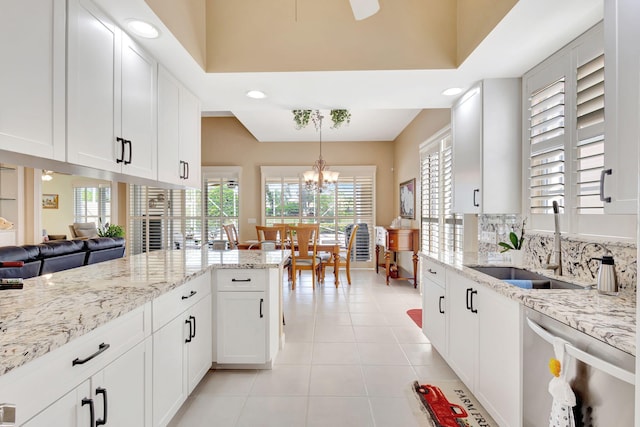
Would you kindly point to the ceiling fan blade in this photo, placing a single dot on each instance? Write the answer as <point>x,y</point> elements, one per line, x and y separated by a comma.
<point>363,9</point>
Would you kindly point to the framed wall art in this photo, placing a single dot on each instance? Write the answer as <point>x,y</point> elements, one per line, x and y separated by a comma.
<point>408,199</point>
<point>49,201</point>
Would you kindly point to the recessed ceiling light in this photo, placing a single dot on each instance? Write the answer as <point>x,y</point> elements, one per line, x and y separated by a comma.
<point>451,91</point>
<point>143,29</point>
<point>256,94</point>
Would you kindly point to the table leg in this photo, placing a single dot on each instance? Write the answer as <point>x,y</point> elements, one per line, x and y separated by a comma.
<point>336,265</point>
<point>377,257</point>
<point>387,264</point>
<point>415,269</point>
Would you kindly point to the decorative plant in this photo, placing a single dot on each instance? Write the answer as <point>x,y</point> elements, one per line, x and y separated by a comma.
<point>111,230</point>
<point>516,243</point>
<point>302,117</point>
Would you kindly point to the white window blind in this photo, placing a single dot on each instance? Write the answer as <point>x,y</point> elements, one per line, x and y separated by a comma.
<point>546,137</point>
<point>92,204</point>
<point>441,229</point>
<point>350,201</point>
<point>590,135</point>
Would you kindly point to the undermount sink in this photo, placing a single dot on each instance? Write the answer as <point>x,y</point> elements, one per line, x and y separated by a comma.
<point>537,280</point>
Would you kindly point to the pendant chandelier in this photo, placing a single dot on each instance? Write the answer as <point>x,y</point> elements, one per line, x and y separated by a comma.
<point>320,177</point>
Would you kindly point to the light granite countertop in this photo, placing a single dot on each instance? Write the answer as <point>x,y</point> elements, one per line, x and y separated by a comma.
<point>611,319</point>
<point>53,309</point>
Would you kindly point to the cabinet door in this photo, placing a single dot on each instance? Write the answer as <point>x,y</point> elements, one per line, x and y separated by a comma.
<point>463,326</point>
<point>190,122</point>
<point>139,110</point>
<point>434,315</point>
<point>32,80</point>
<point>67,411</point>
<point>125,386</point>
<point>93,83</point>
<point>499,367</point>
<point>622,76</point>
<point>241,327</point>
<point>199,348</point>
<point>169,385</point>
<point>169,162</point>
<point>466,131</point>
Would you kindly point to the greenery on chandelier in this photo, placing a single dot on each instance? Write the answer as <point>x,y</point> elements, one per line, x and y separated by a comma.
<point>338,117</point>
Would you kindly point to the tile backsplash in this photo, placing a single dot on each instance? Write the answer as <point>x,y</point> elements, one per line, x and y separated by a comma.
<point>577,251</point>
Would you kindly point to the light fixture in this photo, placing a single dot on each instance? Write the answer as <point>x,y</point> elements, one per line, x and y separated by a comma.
<point>363,9</point>
<point>452,91</point>
<point>320,177</point>
<point>256,94</point>
<point>47,175</point>
<point>143,29</point>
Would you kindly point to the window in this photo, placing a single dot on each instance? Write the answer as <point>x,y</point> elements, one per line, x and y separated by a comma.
<point>441,229</point>
<point>564,100</point>
<point>350,201</point>
<point>222,200</point>
<point>92,204</point>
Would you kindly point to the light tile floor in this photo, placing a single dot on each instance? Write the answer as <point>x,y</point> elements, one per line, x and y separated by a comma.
<point>350,358</point>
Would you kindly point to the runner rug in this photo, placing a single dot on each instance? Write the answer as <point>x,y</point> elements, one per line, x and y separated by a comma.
<point>450,404</point>
<point>416,315</point>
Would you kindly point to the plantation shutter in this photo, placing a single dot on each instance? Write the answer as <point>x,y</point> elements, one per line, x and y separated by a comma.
<point>452,223</point>
<point>430,178</point>
<point>590,135</point>
<point>355,205</point>
<point>546,137</point>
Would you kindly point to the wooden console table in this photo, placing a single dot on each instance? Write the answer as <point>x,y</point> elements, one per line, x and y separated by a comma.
<point>400,239</point>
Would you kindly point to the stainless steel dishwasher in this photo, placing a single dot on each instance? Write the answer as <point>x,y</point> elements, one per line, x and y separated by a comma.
<point>601,376</point>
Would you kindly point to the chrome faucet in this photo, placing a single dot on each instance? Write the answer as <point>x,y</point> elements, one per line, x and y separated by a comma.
<point>557,253</point>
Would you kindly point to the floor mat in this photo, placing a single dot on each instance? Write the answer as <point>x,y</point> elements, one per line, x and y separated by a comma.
<point>450,404</point>
<point>416,315</point>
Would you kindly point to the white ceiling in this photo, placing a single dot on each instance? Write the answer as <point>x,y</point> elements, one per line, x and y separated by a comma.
<point>382,103</point>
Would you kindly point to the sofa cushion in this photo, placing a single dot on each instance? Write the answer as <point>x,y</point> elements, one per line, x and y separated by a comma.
<point>13,253</point>
<point>102,243</point>
<point>33,251</point>
<point>60,247</point>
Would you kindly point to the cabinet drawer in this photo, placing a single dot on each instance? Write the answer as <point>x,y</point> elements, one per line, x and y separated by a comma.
<point>433,271</point>
<point>34,386</point>
<point>168,306</point>
<point>237,280</point>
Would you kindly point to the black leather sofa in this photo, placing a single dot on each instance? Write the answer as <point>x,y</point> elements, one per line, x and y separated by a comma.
<point>58,255</point>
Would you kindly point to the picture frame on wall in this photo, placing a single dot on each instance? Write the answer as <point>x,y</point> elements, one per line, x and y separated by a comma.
<point>49,201</point>
<point>408,199</point>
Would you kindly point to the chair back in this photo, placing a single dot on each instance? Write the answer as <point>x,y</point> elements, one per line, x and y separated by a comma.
<point>352,239</point>
<point>306,239</point>
<point>274,234</point>
<point>232,235</point>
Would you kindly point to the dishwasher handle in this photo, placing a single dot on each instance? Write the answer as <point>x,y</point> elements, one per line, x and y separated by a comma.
<point>604,366</point>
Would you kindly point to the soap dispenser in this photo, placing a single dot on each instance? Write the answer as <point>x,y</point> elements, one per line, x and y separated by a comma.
<point>607,283</point>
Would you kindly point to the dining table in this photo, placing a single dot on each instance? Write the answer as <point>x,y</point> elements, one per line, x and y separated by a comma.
<point>331,246</point>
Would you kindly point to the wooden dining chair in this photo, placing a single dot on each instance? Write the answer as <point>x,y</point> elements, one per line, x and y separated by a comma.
<point>232,235</point>
<point>325,257</point>
<point>303,253</point>
<point>275,233</point>
<point>345,256</point>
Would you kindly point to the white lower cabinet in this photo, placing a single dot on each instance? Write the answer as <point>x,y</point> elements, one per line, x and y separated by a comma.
<point>247,316</point>
<point>434,315</point>
<point>484,346</point>
<point>74,409</point>
<point>181,345</point>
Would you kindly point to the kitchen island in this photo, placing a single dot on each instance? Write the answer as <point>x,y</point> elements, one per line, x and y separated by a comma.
<point>131,324</point>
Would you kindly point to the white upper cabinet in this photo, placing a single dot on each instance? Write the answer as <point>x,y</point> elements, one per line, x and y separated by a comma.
<point>485,124</point>
<point>32,78</point>
<point>622,85</point>
<point>111,87</point>
<point>178,132</point>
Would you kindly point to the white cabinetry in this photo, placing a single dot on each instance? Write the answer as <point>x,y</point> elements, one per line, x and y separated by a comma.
<point>178,132</point>
<point>434,322</point>
<point>111,96</point>
<point>486,135</point>
<point>32,78</point>
<point>484,346</point>
<point>181,345</point>
<point>247,311</point>
<point>622,77</point>
<point>114,357</point>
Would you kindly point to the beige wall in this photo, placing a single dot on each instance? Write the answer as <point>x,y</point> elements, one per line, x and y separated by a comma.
<point>225,142</point>
<point>186,19</point>
<point>475,20</point>
<point>294,35</point>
